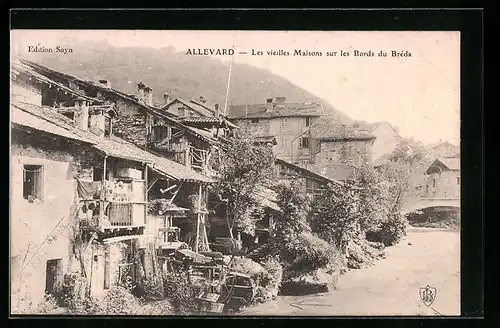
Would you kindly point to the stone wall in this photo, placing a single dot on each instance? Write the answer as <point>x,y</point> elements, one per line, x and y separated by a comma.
<point>353,153</point>
<point>131,128</point>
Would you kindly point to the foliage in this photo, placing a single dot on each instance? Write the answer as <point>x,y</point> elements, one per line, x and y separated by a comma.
<point>181,293</point>
<point>47,306</point>
<point>269,280</point>
<point>409,151</point>
<point>362,253</point>
<point>373,198</point>
<point>158,206</point>
<point>243,167</point>
<point>118,301</point>
<point>297,247</point>
<point>391,230</point>
<point>334,215</point>
<point>399,181</point>
<point>294,205</point>
<point>307,253</point>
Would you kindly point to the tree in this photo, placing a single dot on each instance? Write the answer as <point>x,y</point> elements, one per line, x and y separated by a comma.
<point>408,151</point>
<point>399,184</point>
<point>334,215</point>
<point>373,198</point>
<point>242,168</point>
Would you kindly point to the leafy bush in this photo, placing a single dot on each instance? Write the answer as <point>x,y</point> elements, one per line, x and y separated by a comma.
<point>269,281</point>
<point>181,293</point>
<point>307,253</point>
<point>362,253</point>
<point>334,217</point>
<point>116,301</point>
<point>390,231</point>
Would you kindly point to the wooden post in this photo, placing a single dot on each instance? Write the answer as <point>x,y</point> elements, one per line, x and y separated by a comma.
<point>107,276</point>
<point>198,219</point>
<point>271,223</point>
<point>145,193</point>
<point>102,198</point>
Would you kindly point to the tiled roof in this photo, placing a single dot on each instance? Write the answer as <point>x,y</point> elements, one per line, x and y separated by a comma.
<point>271,139</point>
<point>27,119</point>
<point>19,65</point>
<point>207,120</point>
<point>336,174</point>
<point>327,130</point>
<point>451,163</point>
<point>111,146</point>
<point>192,105</point>
<point>284,110</point>
<point>167,116</point>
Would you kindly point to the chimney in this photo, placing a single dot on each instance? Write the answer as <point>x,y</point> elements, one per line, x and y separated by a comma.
<point>97,122</point>
<point>216,112</point>
<point>81,118</point>
<point>140,92</point>
<point>105,84</point>
<point>166,98</point>
<point>148,96</point>
<point>280,100</point>
<point>270,105</point>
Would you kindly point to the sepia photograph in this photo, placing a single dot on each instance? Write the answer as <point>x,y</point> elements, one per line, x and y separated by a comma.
<point>235,173</point>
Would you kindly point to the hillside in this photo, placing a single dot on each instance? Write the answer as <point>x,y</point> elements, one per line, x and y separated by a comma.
<point>166,70</point>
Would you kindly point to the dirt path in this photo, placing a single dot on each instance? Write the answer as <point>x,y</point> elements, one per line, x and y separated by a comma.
<point>391,286</point>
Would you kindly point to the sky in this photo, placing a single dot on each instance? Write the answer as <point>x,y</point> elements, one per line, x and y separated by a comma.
<point>420,95</point>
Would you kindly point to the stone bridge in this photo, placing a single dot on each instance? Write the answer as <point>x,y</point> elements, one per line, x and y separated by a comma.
<point>430,202</point>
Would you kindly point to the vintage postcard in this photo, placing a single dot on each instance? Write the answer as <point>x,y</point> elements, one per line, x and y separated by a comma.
<point>259,173</point>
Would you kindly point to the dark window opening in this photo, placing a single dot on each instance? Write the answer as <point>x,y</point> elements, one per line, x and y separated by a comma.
<point>33,182</point>
<point>307,121</point>
<point>434,183</point>
<point>53,276</point>
<point>304,142</point>
<point>458,180</point>
<point>97,174</point>
<point>159,133</point>
<point>255,120</point>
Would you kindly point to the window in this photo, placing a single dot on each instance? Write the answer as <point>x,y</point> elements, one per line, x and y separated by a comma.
<point>312,186</point>
<point>307,121</point>
<point>255,120</point>
<point>304,142</point>
<point>181,112</point>
<point>97,174</point>
<point>433,183</point>
<point>33,182</point>
<point>159,133</point>
<point>284,142</point>
<point>53,276</point>
<point>458,180</point>
<point>283,122</point>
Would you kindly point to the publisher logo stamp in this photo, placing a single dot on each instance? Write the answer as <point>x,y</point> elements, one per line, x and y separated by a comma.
<point>428,295</point>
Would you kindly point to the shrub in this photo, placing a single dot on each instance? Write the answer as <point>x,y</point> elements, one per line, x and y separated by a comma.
<point>269,281</point>
<point>116,301</point>
<point>181,293</point>
<point>306,254</point>
<point>390,231</point>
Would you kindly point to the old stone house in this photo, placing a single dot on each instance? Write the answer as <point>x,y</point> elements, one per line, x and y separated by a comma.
<point>443,179</point>
<point>340,150</point>
<point>79,194</point>
<point>289,123</point>
<point>195,145</point>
